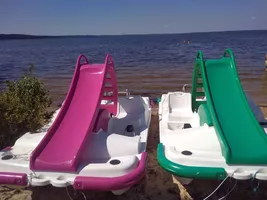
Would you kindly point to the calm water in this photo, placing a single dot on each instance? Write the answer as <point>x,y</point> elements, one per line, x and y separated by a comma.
<point>146,64</point>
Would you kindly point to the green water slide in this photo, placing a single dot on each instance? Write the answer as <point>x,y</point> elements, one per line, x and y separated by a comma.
<point>242,139</point>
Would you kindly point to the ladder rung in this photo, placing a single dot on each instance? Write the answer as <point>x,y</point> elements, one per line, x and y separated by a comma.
<point>108,98</point>
<point>200,93</point>
<point>109,89</point>
<point>108,84</point>
<point>199,85</point>
<point>107,105</point>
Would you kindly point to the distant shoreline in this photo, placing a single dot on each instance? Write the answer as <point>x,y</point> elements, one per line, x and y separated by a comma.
<point>27,36</point>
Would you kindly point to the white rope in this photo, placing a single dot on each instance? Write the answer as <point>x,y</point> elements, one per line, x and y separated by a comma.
<point>229,191</point>
<point>33,175</point>
<point>71,197</point>
<point>68,194</point>
<point>30,176</point>
<point>25,156</point>
<point>83,195</point>
<point>217,188</point>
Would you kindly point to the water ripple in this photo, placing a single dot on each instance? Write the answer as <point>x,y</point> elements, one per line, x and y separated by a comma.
<point>151,64</point>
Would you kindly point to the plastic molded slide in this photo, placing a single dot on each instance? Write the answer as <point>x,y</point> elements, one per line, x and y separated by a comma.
<point>62,146</point>
<point>242,139</point>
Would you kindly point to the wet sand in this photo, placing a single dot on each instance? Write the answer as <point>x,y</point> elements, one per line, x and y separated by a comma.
<point>156,185</point>
<point>153,83</point>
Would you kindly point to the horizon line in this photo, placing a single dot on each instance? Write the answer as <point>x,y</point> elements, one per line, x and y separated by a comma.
<point>128,34</point>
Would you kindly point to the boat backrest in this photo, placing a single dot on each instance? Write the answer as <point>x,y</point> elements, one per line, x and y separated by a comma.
<point>179,101</point>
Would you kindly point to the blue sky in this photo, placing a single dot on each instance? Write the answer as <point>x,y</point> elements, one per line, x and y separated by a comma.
<point>98,17</point>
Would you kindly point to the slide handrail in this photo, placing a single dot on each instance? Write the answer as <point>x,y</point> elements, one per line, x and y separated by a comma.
<point>80,58</point>
<point>113,88</point>
<point>229,52</point>
<point>197,74</point>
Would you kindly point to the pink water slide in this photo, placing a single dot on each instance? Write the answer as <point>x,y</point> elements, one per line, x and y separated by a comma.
<point>62,147</point>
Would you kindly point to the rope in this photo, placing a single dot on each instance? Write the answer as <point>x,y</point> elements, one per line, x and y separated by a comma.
<point>24,156</point>
<point>33,175</point>
<point>18,156</point>
<point>229,191</point>
<point>220,186</point>
<point>30,176</point>
<point>71,197</point>
<point>217,188</point>
<point>83,195</point>
<point>255,189</point>
<point>68,194</point>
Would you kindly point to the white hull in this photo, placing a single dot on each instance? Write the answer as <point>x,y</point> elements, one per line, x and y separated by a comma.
<point>196,145</point>
<point>112,154</point>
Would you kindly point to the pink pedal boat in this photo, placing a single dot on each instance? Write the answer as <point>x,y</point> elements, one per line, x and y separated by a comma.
<point>95,141</point>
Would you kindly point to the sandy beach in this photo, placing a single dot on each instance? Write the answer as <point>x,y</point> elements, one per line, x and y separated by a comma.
<point>156,185</point>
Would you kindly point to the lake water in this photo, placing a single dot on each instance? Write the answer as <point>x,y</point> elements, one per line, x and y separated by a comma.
<point>145,64</point>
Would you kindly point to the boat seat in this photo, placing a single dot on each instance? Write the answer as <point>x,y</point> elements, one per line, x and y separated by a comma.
<point>123,125</point>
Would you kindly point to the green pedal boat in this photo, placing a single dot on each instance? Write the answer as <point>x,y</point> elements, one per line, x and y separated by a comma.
<point>216,131</point>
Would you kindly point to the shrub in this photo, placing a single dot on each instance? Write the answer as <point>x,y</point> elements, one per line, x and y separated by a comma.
<point>23,107</point>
